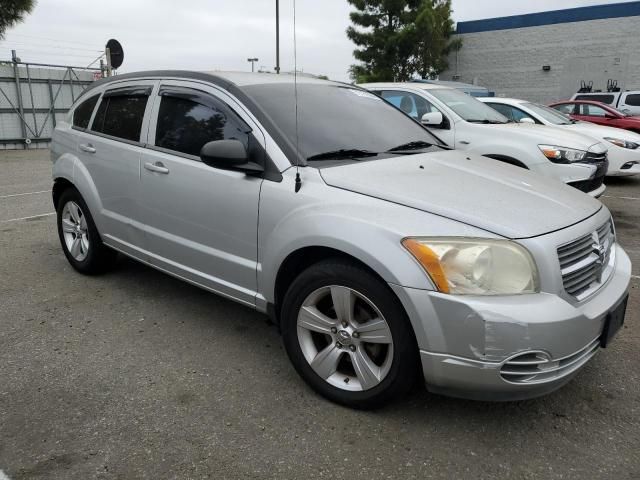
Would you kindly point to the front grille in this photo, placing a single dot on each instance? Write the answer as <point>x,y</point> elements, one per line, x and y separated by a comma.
<point>539,367</point>
<point>583,261</point>
<point>602,163</point>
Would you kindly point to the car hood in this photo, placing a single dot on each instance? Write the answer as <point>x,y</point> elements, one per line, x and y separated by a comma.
<point>499,198</point>
<point>601,131</point>
<point>545,134</point>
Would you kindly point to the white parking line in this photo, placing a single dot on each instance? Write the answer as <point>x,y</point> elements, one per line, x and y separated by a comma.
<point>621,198</point>
<point>20,195</point>
<point>3,476</point>
<point>27,218</point>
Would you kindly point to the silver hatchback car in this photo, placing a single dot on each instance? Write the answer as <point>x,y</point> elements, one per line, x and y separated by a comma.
<point>382,255</point>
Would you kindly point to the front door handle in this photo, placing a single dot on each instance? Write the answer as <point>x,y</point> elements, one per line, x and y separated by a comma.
<point>157,167</point>
<point>464,142</point>
<point>87,148</point>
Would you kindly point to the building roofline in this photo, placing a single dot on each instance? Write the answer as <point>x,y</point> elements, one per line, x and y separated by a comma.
<point>580,14</point>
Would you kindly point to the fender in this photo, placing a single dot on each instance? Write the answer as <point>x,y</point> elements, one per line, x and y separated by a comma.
<point>69,167</point>
<point>367,229</point>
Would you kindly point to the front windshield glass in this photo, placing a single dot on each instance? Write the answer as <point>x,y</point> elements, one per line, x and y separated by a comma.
<point>549,114</point>
<point>467,107</point>
<point>337,118</point>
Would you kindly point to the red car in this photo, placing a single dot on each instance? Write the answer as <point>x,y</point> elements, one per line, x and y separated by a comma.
<point>596,112</point>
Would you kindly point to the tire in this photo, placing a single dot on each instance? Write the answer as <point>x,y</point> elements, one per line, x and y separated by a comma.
<point>80,240</point>
<point>350,363</point>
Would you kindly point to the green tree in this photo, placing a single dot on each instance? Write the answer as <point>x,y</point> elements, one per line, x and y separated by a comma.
<point>398,38</point>
<point>13,12</point>
<point>434,42</point>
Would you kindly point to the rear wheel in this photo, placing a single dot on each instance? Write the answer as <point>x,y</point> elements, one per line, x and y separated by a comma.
<point>348,336</point>
<point>79,237</point>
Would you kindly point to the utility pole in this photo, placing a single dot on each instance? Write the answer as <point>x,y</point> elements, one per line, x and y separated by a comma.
<point>253,61</point>
<point>277,36</point>
<point>108,55</point>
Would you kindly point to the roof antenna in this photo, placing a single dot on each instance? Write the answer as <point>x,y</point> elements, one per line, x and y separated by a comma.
<point>295,87</point>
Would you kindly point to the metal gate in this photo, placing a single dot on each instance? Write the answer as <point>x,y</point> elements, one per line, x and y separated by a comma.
<point>34,96</point>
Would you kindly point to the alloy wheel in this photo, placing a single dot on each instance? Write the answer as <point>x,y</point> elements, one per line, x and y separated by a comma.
<point>344,338</point>
<point>74,231</point>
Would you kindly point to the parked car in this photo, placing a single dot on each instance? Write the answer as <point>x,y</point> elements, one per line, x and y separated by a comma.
<point>467,124</point>
<point>624,146</point>
<point>596,112</point>
<point>381,255</point>
<point>627,102</point>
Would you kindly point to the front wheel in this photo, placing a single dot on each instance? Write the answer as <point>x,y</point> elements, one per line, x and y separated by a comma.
<point>348,336</point>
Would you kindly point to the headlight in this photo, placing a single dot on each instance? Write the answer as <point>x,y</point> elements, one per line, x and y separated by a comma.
<point>562,154</point>
<point>623,143</point>
<point>475,266</point>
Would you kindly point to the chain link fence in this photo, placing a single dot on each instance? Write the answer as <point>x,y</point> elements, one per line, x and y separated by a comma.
<point>34,97</point>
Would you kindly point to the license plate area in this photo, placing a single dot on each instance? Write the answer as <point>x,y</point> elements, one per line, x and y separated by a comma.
<point>613,323</point>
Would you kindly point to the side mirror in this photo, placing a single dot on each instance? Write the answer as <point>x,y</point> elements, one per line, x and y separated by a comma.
<point>527,120</point>
<point>432,118</point>
<point>228,155</point>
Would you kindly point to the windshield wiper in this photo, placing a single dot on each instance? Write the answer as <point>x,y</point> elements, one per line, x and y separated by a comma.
<point>417,145</point>
<point>343,153</point>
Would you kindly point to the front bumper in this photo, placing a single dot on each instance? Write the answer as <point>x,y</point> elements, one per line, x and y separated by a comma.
<point>465,341</point>
<point>623,162</point>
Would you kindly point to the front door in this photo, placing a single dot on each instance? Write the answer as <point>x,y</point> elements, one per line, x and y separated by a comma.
<point>201,222</point>
<point>416,106</point>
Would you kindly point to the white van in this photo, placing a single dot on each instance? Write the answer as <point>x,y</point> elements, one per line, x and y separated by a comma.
<point>464,123</point>
<point>628,102</point>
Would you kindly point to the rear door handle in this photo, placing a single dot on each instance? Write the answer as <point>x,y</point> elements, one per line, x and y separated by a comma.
<point>87,148</point>
<point>157,167</point>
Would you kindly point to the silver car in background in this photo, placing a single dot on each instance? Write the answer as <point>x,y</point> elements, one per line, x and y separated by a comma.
<point>383,256</point>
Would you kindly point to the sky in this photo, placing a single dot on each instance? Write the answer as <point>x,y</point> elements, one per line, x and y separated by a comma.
<point>214,34</point>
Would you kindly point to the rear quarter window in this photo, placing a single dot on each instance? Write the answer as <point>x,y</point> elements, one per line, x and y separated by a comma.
<point>633,100</point>
<point>82,113</point>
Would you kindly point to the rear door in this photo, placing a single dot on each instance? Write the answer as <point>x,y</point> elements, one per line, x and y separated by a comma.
<point>201,223</point>
<point>594,114</point>
<point>110,151</point>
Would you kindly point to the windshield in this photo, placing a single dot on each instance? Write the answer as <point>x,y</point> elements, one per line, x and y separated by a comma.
<point>336,122</point>
<point>467,107</point>
<point>549,114</point>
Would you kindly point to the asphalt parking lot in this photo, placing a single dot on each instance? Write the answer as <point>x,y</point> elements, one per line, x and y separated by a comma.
<point>137,375</point>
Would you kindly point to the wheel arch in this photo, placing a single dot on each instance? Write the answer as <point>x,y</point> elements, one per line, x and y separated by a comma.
<point>60,184</point>
<point>301,259</point>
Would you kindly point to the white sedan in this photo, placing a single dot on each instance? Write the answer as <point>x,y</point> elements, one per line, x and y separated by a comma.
<point>624,146</point>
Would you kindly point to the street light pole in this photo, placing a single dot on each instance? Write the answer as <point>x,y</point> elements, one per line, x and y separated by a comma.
<point>253,61</point>
<point>277,36</point>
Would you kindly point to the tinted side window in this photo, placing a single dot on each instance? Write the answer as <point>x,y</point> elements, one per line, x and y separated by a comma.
<point>185,125</point>
<point>121,116</point>
<point>82,113</point>
<point>520,114</point>
<point>633,100</point>
<point>597,98</point>
<point>566,108</point>
<point>411,104</point>
<point>505,110</point>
